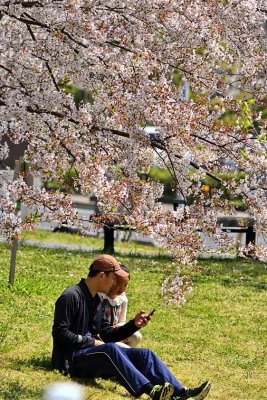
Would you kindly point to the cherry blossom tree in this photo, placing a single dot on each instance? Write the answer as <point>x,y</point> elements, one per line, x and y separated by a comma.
<point>136,58</point>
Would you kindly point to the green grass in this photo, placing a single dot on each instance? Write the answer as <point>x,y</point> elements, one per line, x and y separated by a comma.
<point>220,334</point>
<point>93,242</point>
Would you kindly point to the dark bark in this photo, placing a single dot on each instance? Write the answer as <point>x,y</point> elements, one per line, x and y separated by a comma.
<point>109,238</point>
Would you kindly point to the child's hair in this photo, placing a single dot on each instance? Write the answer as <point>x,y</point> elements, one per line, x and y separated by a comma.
<point>124,268</point>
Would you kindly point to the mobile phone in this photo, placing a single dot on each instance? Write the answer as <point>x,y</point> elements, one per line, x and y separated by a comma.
<point>151,312</point>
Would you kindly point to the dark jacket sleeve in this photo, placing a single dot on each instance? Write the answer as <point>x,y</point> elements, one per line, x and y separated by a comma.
<point>63,331</point>
<point>118,333</point>
<point>115,334</point>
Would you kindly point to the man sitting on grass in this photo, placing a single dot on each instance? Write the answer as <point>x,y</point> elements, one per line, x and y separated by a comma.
<point>84,341</point>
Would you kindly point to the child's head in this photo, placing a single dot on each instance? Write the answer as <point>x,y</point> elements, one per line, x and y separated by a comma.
<point>121,284</point>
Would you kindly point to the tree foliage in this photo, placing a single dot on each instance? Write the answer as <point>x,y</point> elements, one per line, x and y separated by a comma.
<point>135,59</point>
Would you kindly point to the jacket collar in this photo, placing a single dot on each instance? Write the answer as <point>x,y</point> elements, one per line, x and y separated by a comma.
<point>84,289</point>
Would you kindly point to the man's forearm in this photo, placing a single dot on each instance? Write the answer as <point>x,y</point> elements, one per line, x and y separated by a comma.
<point>116,334</point>
<point>73,340</point>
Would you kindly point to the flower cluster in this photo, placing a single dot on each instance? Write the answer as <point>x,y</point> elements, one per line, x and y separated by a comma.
<point>175,288</point>
<point>194,69</point>
<point>37,204</point>
<point>252,251</point>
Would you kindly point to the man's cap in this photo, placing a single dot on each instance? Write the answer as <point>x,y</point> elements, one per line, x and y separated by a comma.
<point>107,263</point>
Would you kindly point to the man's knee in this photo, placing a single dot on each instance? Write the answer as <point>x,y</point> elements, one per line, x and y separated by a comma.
<point>111,348</point>
<point>148,354</point>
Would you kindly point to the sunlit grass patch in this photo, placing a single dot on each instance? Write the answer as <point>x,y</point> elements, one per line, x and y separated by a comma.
<point>219,334</point>
<point>96,243</point>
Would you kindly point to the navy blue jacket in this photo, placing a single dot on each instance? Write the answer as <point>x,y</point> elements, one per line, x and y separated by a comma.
<point>78,313</point>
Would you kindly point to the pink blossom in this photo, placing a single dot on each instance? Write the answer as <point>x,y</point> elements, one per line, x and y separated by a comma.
<point>136,61</point>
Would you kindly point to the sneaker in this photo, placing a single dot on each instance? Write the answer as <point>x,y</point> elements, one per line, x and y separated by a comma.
<point>162,392</point>
<point>198,393</point>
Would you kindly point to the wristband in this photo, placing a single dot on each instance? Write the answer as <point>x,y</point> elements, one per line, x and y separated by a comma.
<point>80,338</point>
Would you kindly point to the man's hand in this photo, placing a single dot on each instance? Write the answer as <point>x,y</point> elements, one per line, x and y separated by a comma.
<point>141,319</point>
<point>98,342</point>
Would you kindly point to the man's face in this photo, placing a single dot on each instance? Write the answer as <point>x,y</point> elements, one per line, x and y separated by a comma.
<point>107,281</point>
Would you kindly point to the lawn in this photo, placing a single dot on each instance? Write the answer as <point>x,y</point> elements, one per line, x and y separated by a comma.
<point>219,334</point>
<point>96,243</point>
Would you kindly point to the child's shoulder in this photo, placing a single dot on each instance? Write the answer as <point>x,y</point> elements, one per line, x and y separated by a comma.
<point>118,301</point>
<point>123,298</point>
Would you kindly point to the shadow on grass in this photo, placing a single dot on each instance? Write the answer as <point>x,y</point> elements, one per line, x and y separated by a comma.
<point>97,384</point>
<point>56,248</point>
<point>38,363</point>
<point>44,363</point>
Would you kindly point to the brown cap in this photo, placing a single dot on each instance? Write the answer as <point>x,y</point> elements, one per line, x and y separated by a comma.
<point>107,263</point>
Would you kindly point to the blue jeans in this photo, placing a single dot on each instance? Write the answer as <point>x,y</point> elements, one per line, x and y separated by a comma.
<point>132,367</point>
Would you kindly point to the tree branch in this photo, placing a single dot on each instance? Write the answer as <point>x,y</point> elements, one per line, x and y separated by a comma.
<point>60,141</point>
<point>52,75</point>
<point>25,4</point>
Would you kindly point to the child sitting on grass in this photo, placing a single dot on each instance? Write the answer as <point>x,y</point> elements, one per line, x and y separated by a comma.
<point>115,306</point>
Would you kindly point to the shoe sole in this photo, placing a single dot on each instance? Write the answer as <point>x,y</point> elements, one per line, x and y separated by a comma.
<point>167,392</point>
<point>203,394</point>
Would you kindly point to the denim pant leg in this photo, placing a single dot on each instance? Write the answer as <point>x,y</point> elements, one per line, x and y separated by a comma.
<point>153,368</point>
<point>109,360</point>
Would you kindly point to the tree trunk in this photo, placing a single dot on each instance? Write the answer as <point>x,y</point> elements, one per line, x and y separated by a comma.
<point>109,238</point>
<point>12,269</point>
<point>14,245</point>
<point>251,235</point>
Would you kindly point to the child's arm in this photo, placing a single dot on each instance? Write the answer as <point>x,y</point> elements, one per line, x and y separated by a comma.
<point>123,313</point>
